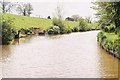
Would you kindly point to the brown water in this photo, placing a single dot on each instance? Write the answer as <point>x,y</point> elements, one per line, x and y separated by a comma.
<point>75,55</point>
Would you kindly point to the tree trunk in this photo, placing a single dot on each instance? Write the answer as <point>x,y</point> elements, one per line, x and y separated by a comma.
<point>24,12</point>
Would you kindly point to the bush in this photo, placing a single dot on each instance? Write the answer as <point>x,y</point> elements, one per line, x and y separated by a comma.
<point>101,36</point>
<point>57,28</point>
<point>50,31</point>
<point>54,30</point>
<point>117,32</point>
<point>57,22</point>
<point>109,44</point>
<point>75,29</point>
<point>0,33</point>
<point>116,46</point>
<point>27,31</point>
<point>105,29</point>
<point>83,25</point>
<point>7,31</point>
<point>110,28</point>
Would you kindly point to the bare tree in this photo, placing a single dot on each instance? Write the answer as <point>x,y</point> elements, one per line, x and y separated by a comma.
<point>29,9</point>
<point>24,8</point>
<point>89,19</point>
<point>21,9</point>
<point>6,6</point>
<point>75,17</point>
<point>59,12</point>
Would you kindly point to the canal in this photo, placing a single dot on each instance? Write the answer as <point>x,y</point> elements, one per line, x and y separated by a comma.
<point>75,55</point>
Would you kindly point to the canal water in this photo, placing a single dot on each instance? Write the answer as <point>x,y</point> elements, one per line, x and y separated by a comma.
<point>75,55</point>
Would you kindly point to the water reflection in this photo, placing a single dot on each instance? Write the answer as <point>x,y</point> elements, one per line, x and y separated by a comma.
<point>75,55</point>
<point>22,40</point>
<point>53,36</point>
<point>6,52</point>
<point>108,64</point>
<point>0,52</point>
<point>118,68</point>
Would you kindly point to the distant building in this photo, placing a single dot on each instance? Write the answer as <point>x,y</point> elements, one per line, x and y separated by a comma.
<point>69,19</point>
<point>49,17</point>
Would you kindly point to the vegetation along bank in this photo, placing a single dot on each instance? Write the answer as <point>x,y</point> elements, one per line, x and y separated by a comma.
<point>17,26</point>
<point>108,14</point>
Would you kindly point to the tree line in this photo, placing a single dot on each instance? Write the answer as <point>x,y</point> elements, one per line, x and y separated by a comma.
<point>22,8</point>
<point>108,13</point>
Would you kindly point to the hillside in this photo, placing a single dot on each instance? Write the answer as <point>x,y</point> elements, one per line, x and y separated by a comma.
<point>28,22</point>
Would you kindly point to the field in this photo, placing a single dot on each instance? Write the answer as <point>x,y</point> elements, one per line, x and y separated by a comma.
<point>28,22</point>
<point>42,23</point>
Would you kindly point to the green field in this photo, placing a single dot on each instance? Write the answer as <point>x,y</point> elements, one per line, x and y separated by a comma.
<point>28,22</point>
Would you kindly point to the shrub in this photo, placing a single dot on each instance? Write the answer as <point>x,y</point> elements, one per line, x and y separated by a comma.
<point>68,29</point>
<point>117,32</point>
<point>75,29</point>
<point>105,29</point>
<point>7,31</point>
<point>83,25</point>
<point>57,28</point>
<point>57,22</point>
<point>109,44</point>
<point>110,28</point>
<point>101,36</point>
<point>116,46</point>
<point>27,31</point>
<point>54,30</point>
<point>50,31</point>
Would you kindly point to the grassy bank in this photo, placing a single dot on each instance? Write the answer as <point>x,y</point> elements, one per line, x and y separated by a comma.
<point>28,22</point>
<point>110,42</point>
<point>42,23</point>
<point>25,25</point>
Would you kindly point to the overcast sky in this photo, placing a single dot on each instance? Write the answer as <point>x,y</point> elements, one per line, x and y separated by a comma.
<point>46,8</point>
